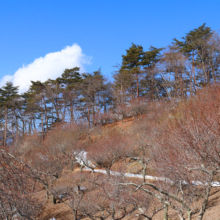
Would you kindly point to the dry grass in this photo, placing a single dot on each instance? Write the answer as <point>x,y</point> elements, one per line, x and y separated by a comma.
<point>61,211</point>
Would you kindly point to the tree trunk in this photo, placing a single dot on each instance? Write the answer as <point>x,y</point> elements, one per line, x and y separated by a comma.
<point>137,86</point>
<point>72,164</point>
<point>213,74</point>
<point>74,214</point>
<point>71,113</point>
<point>181,217</point>
<point>42,120</point>
<point>29,128</point>
<point>144,172</point>
<point>6,122</point>
<point>93,112</point>
<point>53,199</point>
<point>122,94</point>
<point>89,116</point>
<point>193,72</point>
<point>46,117</point>
<point>35,129</point>
<point>189,214</point>
<point>108,173</point>
<point>165,214</point>
<point>16,135</point>
<point>204,205</point>
<point>23,128</point>
<point>98,107</point>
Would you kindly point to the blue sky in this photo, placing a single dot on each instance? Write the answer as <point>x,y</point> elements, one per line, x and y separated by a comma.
<point>103,29</point>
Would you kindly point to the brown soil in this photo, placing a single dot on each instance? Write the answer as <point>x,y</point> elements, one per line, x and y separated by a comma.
<point>61,211</point>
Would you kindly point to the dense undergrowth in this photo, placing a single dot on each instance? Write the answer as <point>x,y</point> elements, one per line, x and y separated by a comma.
<point>177,141</point>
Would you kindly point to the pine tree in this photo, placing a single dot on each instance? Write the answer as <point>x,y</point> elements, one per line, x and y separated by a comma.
<point>37,97</point>
<point>174,63</point>
<point>90,90</point>
<point>132,62</point>
<point>123,85</point>
<point>54,91</point>
<point>151,84</point>
<point>192,45</point>
<point>8,97</point>
<point>71,80</point>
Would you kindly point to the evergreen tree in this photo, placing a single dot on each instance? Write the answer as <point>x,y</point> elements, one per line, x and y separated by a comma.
<point>151,84</point>
<point>71,80</point>
<point>37,97</point>
<point>8,97</point>
<point>132,62</point>
<point>192,45</point>
<point>175,73</point>
<point>54,93</point>
<point>91,87</point>
<point>123,85</point>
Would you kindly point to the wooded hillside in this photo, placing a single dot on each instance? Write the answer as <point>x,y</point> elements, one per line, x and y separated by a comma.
<point>143,146</point>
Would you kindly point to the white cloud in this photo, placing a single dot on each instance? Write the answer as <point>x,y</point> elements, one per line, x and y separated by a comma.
<point>50,66</point>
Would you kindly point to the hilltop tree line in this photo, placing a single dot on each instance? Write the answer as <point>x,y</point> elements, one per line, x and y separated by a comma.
<point>171,74</point>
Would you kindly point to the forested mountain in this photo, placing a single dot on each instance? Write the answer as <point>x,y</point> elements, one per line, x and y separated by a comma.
<point>165,158</point>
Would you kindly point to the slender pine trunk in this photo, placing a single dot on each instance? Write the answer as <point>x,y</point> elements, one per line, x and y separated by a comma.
<point>6,123</point>
<point>137,86</point>
<point>71,112</point>
<point>42,120</point>
<point>16,135</point>
<point>89,116</point>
